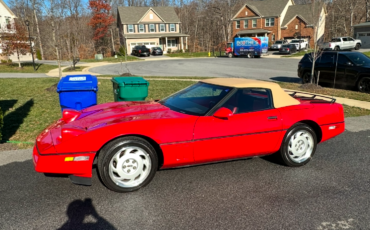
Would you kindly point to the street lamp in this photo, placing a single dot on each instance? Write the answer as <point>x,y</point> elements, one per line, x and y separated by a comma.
<point>29,37</point>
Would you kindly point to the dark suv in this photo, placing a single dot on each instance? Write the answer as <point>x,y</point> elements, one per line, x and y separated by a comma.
<point>349,70</point>
<point>141,50</point>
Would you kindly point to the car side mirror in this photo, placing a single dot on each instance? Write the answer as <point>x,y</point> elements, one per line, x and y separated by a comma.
<point>349,63</point>
<point>223,113</point>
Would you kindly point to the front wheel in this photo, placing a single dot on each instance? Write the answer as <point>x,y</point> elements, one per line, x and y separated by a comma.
<point>363,85</point>
<point>299,145</point>
<point>127,164</point>
<point>230,55</point>
<point>357,47</point>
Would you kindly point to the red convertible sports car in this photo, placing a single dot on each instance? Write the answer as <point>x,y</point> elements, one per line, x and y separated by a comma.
<point>212,120</point>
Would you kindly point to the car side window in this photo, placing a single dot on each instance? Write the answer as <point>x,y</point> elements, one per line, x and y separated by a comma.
<point>249,100</point>
<point>350,39</point>
<point>342,60</point>
<point>326,59</point>
<point>345,39</point>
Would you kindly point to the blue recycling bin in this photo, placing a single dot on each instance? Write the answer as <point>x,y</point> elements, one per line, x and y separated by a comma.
<point>77,91</point>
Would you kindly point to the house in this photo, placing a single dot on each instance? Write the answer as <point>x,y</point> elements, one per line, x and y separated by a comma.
<point>362,31</point>
<point>278,19</point>
<point>150,26</point>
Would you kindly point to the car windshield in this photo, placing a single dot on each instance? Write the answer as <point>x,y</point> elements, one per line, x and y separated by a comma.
<point>278,42</point>
<point>197,99</point>
<point>229,45</point>
<point>294,41</point>
<point>358,59</point>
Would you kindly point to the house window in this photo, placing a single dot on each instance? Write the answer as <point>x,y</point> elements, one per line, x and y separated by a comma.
<point>269,22</point>
<point>151,28</point>
<point>141,28</point>
<point>172,28</point>
<point>237,24</point>
<point>254,23</point>
<point>296,27</point>
<point>273,37</point>
<point>171,43</point>
<point>245,23</point>
<point>7,21</point>
<point>151,16</point>
<point>246,13</point>
<point>162,28</point>
<point>130,28</point>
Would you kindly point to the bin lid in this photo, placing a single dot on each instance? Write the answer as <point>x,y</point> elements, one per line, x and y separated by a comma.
<point>77,83</point>
<point>122,81</point>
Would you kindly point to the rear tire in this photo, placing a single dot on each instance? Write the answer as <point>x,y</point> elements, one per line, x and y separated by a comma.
<point>363,85</point>
<point>299,145</point>
<point>336,48</point>
<point>357,47</point>
<point>306,79</point>
<point>127,164</point>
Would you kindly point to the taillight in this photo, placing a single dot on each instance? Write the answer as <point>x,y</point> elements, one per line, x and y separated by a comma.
<point>329,45</point>
<point>139,51</point>
<point>149,50</point>
<point>287,49</point>
<point>70,115</point>
<point>68,133</point>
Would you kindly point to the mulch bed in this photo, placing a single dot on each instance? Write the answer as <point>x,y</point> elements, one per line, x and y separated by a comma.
<point>310,86</point>
<point>52,88</point>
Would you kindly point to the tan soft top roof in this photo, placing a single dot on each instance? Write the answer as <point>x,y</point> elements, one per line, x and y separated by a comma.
<point>280,97</point>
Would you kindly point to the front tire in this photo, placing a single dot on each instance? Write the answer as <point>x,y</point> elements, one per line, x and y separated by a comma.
<point>306,79</point>
<point>363,85</point>
<point>357,47</point>
<point>299,145</point>
<point>230,55</point>
<point>127,164</point>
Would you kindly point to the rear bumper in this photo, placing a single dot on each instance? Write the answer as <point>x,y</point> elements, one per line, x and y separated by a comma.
<point>62,163</point>
<point>332,130</point>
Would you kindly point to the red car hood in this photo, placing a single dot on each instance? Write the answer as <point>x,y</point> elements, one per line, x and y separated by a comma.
<point>112,113</point>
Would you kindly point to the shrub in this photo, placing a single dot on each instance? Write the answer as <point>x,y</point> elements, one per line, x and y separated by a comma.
<point>169,51</point>
<point>10,61</point>
<point>122,51</point>
<point>187,51</point>
<point>3,61</point>
<point>1,121</point>
<point>38,55</point>
<point>180,50</point>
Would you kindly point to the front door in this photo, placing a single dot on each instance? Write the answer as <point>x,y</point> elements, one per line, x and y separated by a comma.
<point>254,128</point>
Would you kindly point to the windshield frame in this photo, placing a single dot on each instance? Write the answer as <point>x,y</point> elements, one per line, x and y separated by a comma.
<point>187,89</point>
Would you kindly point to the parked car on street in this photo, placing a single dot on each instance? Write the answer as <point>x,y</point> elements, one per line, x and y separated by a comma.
<point>141,51</point>
<point>157,51</point>
<point>351,71</point>
<point>213,120</point>
<point>300,44</point>
<point>288,49</point>
<point>277,45</point>
<point>342,43</point>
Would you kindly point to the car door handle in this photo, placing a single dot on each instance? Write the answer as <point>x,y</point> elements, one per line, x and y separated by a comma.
<point>272,118</point>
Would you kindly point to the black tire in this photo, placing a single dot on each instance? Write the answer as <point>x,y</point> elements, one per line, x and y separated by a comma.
<point>306,79</point>
<point>111,149</point>
<point>230,55</point>
<point>336,48</point>
<point>310,138</point>
<point>358,46</point>
<point>363,85</point>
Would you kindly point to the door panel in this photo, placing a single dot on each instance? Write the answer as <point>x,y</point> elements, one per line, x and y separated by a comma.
<point>241,135</point>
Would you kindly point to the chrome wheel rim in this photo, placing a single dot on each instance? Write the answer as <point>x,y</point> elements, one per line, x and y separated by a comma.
<point>300,146</point>
<point>130,166</point>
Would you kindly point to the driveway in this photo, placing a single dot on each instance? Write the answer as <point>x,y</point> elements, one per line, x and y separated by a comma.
<point>331,192</point>
<point>258,68</point>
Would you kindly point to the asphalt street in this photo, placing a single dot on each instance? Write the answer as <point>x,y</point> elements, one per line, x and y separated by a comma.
<point>279,69</point>
<point>331,192</point>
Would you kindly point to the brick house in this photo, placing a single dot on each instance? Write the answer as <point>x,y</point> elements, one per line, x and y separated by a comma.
<point>277,19</point>
<point>152,27</point>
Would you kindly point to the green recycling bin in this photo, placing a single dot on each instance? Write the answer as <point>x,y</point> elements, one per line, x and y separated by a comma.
<point>130,88</point>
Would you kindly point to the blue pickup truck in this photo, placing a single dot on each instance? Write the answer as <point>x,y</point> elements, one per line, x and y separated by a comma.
<point>247,46</point>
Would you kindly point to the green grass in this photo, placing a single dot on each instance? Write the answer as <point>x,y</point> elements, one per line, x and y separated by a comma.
<point>28,107</point>
<point>189,55</point>
<point>160,77</point>
<point>329,91</point>
<point>26,68</point>
<point>77,69</point>
<point>367,53</point>
<point>112,59</point>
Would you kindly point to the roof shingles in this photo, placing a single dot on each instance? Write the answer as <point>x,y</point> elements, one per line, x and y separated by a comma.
<point>133,14</point>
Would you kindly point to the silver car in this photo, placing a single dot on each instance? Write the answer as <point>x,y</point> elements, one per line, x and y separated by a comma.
<point>277,45</point>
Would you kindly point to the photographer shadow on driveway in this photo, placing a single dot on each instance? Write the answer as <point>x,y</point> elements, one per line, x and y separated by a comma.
<point>78,211</point>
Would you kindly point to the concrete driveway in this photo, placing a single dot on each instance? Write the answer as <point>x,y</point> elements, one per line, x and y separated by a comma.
<point>281,69</point>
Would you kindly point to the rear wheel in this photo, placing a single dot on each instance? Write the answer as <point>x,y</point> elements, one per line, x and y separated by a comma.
<point>299,145</point>
<point>357,47</point>
<point>336,48</point>
<point>363,85</point>
<point>127,164</point>
<point>306,79</point>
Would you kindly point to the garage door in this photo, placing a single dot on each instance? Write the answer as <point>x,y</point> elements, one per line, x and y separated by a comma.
<point>365,39</point>
<point>149,45</point>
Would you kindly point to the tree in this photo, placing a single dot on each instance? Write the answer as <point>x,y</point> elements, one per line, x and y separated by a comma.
<point>15,41</point>
<point>100,22</point>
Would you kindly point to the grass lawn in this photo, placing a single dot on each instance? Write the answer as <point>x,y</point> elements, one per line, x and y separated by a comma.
<point>189,55</point>
<point>329,91</point>
<point>367,53</point>
<point>160,77</point>
<point>29,107</point>
<point>112,59</point>
<point>77,69</point>
<point>26,68</point>
<point>298,54</point>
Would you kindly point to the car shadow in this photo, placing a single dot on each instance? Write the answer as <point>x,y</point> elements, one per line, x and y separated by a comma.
<point>287,79</point>
<point>83,215</point>
<point>14,119</point>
